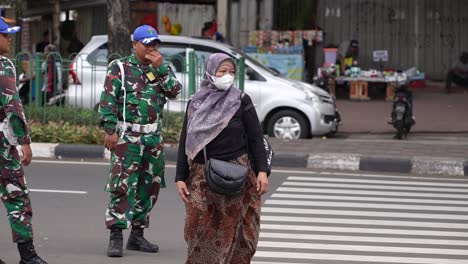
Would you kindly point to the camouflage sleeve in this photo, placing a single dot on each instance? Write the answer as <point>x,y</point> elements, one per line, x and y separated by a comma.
<point>168,81</point>
<point>11,102</point>
<point>108,110</point>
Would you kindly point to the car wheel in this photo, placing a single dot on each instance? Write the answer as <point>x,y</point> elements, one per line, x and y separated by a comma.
<point>287,124</point>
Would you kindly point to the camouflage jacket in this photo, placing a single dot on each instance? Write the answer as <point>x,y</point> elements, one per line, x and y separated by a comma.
<point>10,103</point>
<point>144,99</point>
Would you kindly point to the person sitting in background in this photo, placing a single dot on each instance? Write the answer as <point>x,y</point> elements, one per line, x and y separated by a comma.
<point>40,46</point>
<point>348,52</point>
<point>459,73</point>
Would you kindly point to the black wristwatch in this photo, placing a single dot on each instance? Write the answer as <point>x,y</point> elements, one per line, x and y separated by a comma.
<point>109,130</point>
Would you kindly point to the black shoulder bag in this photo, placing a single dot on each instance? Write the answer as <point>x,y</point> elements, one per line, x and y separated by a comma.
<point>224,177</point>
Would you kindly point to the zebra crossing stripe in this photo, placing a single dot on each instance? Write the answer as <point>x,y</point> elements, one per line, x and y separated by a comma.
<point>364,230</point>
<point>375,187</point>
<point>368,192</point>
<point>369,205</point>
<point>369,239</point>
<point>360,248</point>
<point>363,258</point>
<point>363,213</point>
<point>350,221</point>
<point>366,199</point>
<point>398,181</point>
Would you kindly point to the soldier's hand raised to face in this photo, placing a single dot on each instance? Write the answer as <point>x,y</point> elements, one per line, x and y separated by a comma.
<point>155,58</point>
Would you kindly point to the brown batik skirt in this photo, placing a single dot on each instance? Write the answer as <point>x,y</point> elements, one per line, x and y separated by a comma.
<point>221,229</point>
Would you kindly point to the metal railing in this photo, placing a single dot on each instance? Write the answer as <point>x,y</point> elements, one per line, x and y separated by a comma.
<point>74,99</point>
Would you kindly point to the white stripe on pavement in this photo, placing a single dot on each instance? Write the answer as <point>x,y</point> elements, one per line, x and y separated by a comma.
<point>363,258</point>
<point>402,249</point>
<point>367,192</point>
<point>363,213</point>
<point>366,199</point>
<point>371,239</point>
<point>368,205</point>
<point>363,230</point>
<point>57,191</point>
<point>270,262</point>
<point>394,182</point>
<point>374,187</point>
<point>351,221</point>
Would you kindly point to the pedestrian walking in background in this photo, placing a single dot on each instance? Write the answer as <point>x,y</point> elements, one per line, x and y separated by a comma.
<point>131,108</point>
<point>52,73</point>
<point>221,121</point>
<point>14,131</point>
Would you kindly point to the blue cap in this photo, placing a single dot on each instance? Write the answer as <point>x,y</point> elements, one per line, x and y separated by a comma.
<point>6,29</point>
<point>146,34</point>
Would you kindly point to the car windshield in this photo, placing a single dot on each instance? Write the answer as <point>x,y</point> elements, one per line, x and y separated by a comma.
<point>255,62</point>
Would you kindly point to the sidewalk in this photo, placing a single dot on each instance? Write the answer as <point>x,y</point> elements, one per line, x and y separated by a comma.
<point>438,143</point>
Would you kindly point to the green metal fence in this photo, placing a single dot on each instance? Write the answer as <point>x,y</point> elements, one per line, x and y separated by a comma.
<point>75,99</point>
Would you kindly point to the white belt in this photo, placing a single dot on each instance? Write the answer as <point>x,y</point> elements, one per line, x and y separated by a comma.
<point>145,129</point>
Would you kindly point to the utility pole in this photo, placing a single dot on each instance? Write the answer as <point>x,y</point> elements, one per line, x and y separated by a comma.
<point>118,21</point>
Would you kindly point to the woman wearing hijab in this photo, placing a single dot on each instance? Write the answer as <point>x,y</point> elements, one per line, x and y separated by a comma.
<point>219,228</point>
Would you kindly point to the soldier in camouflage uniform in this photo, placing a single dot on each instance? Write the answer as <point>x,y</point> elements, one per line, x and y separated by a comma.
<point>131,115</point>
<point>14,192</point>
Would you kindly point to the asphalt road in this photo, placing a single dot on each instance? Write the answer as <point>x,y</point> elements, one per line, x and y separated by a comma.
<point>308,217</point>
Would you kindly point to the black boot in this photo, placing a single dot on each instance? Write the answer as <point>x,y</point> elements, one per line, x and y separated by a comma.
<point>115,249</point>
<point>1,262</point>
<point>136,241</point>
<point>28,254</point>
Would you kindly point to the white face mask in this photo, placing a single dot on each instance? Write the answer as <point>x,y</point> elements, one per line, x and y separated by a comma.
<point>224,82</point>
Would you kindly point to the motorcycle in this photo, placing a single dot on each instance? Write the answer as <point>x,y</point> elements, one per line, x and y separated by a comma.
<point>326,74</point>
<point>402,117</point>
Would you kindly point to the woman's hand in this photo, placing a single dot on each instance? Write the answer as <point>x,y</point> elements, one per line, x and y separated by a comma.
<point>262,183</point>
<point>183,191</point>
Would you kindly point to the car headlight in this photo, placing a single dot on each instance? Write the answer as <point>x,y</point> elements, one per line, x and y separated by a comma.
<point>311,96</point>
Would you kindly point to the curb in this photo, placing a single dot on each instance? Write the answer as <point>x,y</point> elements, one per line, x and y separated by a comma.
<point>334,161</point>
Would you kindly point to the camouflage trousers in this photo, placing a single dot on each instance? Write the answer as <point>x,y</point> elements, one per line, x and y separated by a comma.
<point>136,175</point>
<point>14,192</point>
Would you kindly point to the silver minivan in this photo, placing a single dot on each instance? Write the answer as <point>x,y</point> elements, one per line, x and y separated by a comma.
<point>287,108</point>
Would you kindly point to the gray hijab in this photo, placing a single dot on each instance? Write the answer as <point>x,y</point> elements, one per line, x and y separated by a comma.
<point>210,109</point>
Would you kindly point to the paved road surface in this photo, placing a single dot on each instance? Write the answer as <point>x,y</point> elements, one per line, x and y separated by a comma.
<point>308,217</point>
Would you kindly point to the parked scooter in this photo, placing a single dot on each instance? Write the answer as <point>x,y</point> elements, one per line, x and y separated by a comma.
<point>402,117</point>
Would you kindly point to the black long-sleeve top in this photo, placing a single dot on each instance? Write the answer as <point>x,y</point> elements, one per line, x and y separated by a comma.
<point>243,131</point>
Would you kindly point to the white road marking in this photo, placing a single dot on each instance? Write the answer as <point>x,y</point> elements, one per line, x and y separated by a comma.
<point>366,181</point>
<point>57,191</point>
<point>363,213</point>
<point>371,239</point>
<point>366,199</point>
<point>367,192</point>
<point>352,221</point>
<point>374,187</point>
<point>369,205</point>
<point>364,230</point>
<point>319,246</point>
<point>363,258</point>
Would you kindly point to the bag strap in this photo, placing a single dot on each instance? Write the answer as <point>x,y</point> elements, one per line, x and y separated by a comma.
<point>122,74</point>
<point>204,154</point>
<point>249,105</point>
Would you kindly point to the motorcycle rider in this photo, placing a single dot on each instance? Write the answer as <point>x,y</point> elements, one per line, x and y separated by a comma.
<point>403,90</point>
